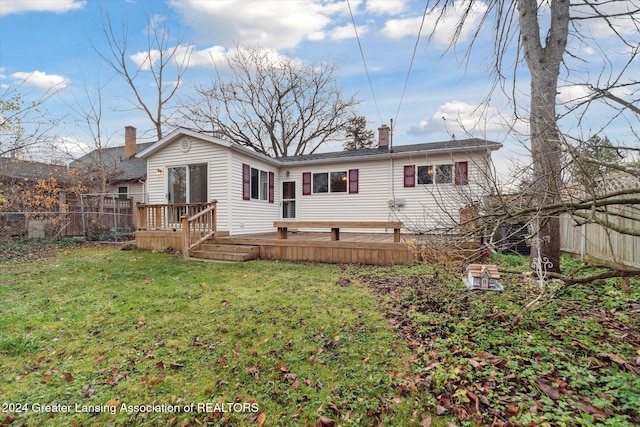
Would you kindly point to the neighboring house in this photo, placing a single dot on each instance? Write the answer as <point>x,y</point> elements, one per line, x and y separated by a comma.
<point>126,173</point>
<point>424,185</point>
<point>14,169</point>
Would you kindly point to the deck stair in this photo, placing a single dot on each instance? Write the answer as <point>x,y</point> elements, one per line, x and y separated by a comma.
<point>217,251</point>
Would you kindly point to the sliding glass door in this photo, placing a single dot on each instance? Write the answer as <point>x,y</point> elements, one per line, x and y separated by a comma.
<point>177,184</point>
<point>187,184</point>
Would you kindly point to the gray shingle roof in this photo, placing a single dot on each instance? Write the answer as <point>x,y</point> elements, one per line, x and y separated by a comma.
<point>125,169</point>
<point>463,144</point>
<point>14,168</point>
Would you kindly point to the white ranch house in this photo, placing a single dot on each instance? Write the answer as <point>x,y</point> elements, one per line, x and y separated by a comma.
<point>424,186</point>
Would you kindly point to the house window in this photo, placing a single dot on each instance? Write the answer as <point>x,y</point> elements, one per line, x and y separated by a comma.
<point>257,184</point>
<point>321,182</point>
<point>187,184</point>
<point>435,174</point>
<point>444,174</point>
<point>197,183</point>
<point>333,182</point>
<point>338,182</point>
<point>123,192</point>
<point>425,174</point>
<point>264,185</point>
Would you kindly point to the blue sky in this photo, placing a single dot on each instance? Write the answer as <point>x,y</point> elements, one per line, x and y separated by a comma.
<point>45,42</point>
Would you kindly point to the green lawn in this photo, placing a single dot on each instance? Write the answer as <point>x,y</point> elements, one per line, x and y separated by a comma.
<point>92,329</point>
<point>157,340</point>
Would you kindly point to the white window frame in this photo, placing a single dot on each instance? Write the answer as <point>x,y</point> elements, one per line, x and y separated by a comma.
<point>328,174</point>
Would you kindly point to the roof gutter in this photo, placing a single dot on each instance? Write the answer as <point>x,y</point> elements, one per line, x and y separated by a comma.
<point>387,155</point>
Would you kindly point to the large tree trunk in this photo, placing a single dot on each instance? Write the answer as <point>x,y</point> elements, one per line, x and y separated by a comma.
<point>544,66</point>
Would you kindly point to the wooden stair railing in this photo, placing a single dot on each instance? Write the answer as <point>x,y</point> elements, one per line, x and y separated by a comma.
<point>198,228</point>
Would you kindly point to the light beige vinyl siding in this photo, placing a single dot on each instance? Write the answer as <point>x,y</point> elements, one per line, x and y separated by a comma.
<point>215,156</point>
<point>425,207</point>
<point>369,204</point>
<point>135,191</point>
<point>251,216</point>
<point>436,207</point>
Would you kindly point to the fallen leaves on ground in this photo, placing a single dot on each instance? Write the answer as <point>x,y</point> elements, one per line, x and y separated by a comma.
<point>478,367</point>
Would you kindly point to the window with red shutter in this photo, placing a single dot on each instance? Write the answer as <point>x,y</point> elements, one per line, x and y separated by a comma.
<point>306,183</point>
<point>271,186</point>
<point>410,176</point>
<point>462,173</point>
<point>246,182</point>
<point>353,181</point>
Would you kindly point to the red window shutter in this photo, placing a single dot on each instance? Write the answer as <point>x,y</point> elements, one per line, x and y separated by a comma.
<point>246,182</point>
<point>306,183</point>
<point>410,176</point>
<point>462,173</point>
<point>271,186</point>
<point>353,181</point>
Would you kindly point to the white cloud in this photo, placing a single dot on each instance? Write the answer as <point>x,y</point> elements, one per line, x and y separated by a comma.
<point>8,7</point>
<point>386,7</point>
<point>41,79</point>
<point>197,58</point>
<point>572,93</point>
<point>588,50</point>
<point>70,146</point>
<point>347,32</point>
<point>464,120</point>
<point>207,57</point>
<point>619,14</point>
<point>396,29</point>
<point>272,24</point>
<point>442,29</point>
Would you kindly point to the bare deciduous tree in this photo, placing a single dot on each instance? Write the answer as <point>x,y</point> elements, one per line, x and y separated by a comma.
<point>164,59</point>
<point>24,122</point>
<point>274,104</point>
<point>89,118</point>
<point>523,22</point>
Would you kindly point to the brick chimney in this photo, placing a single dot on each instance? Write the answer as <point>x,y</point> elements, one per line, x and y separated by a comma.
<point>129,142</point>
<point>384,135</point>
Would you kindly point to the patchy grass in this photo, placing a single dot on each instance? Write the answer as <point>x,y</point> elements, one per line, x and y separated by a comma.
<point>575,361</point>
<point>286,343</point>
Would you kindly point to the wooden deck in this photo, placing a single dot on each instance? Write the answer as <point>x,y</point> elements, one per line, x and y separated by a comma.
<point>352,248</point>
<point>356,248</point>
<point>191,229</point>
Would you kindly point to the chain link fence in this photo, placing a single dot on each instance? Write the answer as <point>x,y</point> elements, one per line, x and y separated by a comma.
<point>98,217</point>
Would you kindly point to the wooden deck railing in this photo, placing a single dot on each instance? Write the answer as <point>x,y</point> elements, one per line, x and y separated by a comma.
<point>198,228</point>
<point>167,216</point>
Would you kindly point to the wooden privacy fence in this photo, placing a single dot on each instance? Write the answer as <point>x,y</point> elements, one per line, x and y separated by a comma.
<point>594,242</point>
